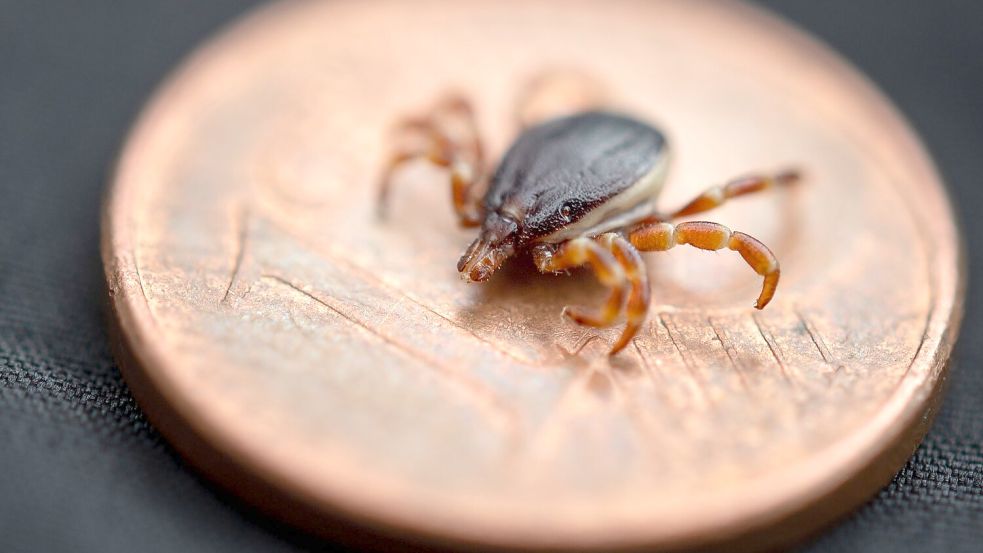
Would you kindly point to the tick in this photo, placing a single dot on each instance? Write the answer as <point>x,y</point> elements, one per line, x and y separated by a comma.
<point>576,190</point>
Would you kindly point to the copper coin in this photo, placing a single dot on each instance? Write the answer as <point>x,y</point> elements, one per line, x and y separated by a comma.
<point>335,370</point>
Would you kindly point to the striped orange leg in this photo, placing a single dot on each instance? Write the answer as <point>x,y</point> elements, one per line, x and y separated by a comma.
<point>638,299</point>
<point>447,137</point>
<point>587,251</point>
<point>618,266</point>
<point>718,195</point>
<point>712,236</point>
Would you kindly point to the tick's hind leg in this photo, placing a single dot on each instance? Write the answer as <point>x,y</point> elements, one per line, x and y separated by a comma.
<point>618,266</point>
<point>712,236</point>
<point>447,137</point>
<point>556,92</point>
<point>718,195</point>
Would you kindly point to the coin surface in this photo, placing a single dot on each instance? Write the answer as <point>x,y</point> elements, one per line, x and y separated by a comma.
<point>333,369</point>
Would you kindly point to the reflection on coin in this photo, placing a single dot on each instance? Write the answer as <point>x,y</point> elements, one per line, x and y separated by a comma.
<point>335,370</point>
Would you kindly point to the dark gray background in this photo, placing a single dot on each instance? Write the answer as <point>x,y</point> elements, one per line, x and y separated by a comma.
<point>81,469</point>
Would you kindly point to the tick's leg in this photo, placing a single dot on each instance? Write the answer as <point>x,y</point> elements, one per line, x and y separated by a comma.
<point>447,137</point>
<point>718,195</point>
<point>618,266</point>
<point>711,236</point>
<point>556,92</point>
<point>638,299</point>
<point>586,251</point>
<point>416,139</point>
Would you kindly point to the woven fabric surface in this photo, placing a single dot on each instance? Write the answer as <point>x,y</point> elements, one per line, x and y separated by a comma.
<point>81,469</point>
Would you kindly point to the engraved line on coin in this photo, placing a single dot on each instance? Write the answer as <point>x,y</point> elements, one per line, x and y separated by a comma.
<point>242,240</point>
<point>504,416</point>
<point>493,345</point>
<point>773,346</point>
<point>143,286</point>
<point>671,331</point>
<point>729,350</point>
<point>583,342</point>
<point>918,350</point>
<point>356,272</point>
<point>658,334</point>
<point>816,338</point>
<point>338,259</point>
<point>666,385</point>
<point>655,375</point>
<point>573,355</point>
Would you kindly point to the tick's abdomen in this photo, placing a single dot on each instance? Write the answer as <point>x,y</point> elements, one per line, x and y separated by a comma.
<point>582,162</point>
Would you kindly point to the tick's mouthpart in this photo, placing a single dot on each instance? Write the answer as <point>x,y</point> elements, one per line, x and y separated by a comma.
<point>490,250</point>
<point>481,260</point>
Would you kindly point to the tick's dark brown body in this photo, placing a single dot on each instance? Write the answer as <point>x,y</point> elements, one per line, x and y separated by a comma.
<point>577,190</point>
<point>557,172</point>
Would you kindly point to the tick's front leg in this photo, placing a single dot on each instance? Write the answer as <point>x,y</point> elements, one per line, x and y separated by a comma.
<point>618,266</point>
<point>712,236</point>
<point>447,137</point>
<point>717,196</point>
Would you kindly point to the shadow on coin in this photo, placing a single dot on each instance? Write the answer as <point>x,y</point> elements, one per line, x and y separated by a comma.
<point>519,282</point>
<point>522,308</point>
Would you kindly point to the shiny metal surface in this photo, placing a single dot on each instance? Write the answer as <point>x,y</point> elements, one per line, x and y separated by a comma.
<point>331,367</point>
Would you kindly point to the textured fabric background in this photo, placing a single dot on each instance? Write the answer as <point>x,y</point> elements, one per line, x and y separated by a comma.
<point>80,467</point>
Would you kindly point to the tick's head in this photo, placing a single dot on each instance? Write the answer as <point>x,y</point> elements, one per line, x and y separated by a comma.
<point>495,244</point>
<point>554,210</point>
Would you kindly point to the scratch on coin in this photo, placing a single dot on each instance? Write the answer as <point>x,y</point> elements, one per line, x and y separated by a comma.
<point>497,348</point>
<point>143,286</point>
<point>587,338</point>
<point>242,237</point>
<point>578,346</point>
<point>505,417</point>
<point>649,368</point>
<point>772,345</point>
<point>816,338</point>
<point>921,342</point>
<point>671,330</point>
<point>341,261</point>
<point>729,350</point>
<point>492,345</point>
